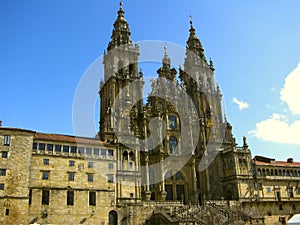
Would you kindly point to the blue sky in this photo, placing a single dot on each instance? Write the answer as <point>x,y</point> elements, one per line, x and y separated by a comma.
<point>46,47</point>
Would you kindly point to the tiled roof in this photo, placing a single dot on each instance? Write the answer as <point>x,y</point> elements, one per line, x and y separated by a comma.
<point>16,129</point>
<point>68,138</point>
<point>278,163</point>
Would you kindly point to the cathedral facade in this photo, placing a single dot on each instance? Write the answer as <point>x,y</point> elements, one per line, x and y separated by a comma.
<point>166,158</point>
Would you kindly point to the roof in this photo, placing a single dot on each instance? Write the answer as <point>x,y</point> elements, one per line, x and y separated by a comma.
<point>16,129</point>
<point>68,138</point>
<point>261,160</point>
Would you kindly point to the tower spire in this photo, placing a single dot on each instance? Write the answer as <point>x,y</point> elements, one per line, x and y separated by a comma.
<point>193,42</point>
<point>121,33</point>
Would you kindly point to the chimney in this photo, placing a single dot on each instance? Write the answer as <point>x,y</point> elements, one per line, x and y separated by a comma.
<point>290,160</point>
<point>0,123</point>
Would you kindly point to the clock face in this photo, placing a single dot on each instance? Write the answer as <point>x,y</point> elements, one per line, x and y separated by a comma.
<point>172,122</point>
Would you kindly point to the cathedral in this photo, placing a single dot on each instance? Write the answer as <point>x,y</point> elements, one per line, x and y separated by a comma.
<point>166,158</point>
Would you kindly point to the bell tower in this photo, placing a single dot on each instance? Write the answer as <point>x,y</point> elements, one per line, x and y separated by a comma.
<point>120,108</point>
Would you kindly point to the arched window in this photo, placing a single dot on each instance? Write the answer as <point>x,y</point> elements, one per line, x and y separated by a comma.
<point>173,145</point>
<point>125,155</point>
<point>131,156</point>
<point>172,122</point>
<point>151,178</point>
<point>113,218</point>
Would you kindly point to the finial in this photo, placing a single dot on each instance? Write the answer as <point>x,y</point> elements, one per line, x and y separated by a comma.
<point>191,20</point>
<point>121,4</point>
<point>165,48</point>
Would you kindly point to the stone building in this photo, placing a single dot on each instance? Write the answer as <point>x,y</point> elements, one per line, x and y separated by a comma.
<point>170,160</point>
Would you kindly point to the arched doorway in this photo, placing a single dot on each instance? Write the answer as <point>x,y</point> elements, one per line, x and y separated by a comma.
<point>113,218</point>
<point>174,186</point>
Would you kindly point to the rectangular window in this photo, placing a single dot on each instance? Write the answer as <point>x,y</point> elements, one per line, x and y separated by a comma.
<point>96,151</point>
<point>298,190</point>
<point>110,166</point>
<point>57,148</point>
<point>110,152</point>
<point>259,186</point>
<point>81,150</point>
<point>2,172</point>
<point>290,192</point>
<point>7,140</point>
<point>268,189</point>
<point>46,161</point>
<point>73,149</point>
<point>110,178</point>
<point>70,198</point>
<point>130,164</point>
<point>92,198</point>
<point>90,177</point>
<point>4,155</point>
<point>45,175</point>
<point>45,197</point>
<point>34,146</point>
<point>42,146</point>
<point>103,152</point>
<point>90,164</point>
<point>71,176</point>
<point>66,149</point>
<point>88,151</point>
<point>280,207</point>
<point>278,195</point>
<point>30,197</point>
<point>6,212</point>
<point>1,186</point>
<point>50,147</point>
<point>71,163</point>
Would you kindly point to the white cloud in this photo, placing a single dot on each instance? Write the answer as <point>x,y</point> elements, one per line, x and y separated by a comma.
<point>278,130</point>
<point>290,93</point>
<point>242,105</point>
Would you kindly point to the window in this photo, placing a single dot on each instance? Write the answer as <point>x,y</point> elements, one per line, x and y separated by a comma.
<point>92,198</point>
<point>90,177</point>
<point>6,212</point>
<point>42,146</point>
<point>34,146</point>
<point>280,207</point>
<point>110,152</point>
<point>1,186</point>
<point>30,197</point>
<point>110,166</point>
<point>96,151</point>
<point>4,155</point>
<point>7,140</point>
<point>71,176</point>
<point>278,195</point>
<point>172,122</point>
<point>268,189</point>
<point>294,207</point>
<point>103,152</point>
<point>45,197</point>
<point>298,190</point>
<point>50,147</point>
<point>73,149</point>
<point>66,149</point>
<point>2,172</point>
<point>71,163</point>
<point>70,198</point>
<point>81,150</point>
<point>46,161</point>
<point>57,148</point>
<point>259,186</point>
<point>88,151</point>
<point>110,178</point>
<point>45,175</point>
<point>131,195</point>
<point>130,164</point>
<point>173,145</point>
<point>90,164</point>
<point>290,192</point>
